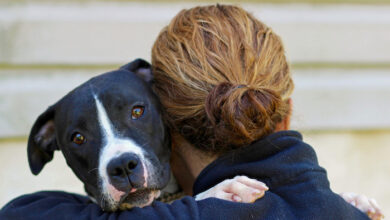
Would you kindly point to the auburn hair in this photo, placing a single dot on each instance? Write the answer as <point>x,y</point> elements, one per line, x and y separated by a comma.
<point>222,77</point>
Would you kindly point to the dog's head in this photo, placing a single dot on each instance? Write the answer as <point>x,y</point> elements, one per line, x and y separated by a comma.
<point>112,135</point>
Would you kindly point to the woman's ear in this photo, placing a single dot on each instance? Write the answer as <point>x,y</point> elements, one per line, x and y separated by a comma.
<point>141,68</point>
<point>42,141</point>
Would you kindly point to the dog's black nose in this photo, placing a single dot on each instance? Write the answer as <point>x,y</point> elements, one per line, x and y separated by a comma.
<point>123,165</point>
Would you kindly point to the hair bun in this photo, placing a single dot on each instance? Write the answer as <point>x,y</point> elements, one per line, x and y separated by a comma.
<point>241,114</point>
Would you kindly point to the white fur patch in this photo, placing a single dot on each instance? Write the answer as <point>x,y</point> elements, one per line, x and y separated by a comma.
<point>114,147</point>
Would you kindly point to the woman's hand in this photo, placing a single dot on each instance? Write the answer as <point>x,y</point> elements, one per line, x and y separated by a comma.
<point>364,204</point>
<point>247,190</point>
<point>238,189</point>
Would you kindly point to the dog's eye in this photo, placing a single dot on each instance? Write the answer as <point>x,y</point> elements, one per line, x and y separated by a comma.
<point>78,138</point>
<point>137,112</point>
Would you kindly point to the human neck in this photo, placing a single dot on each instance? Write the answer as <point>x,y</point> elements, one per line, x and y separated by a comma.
<point>187,162</point>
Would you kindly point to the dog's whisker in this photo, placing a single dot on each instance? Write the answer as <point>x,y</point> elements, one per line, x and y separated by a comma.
<point>102,202</point>
<point>145,144</point>
<point>92,170</point>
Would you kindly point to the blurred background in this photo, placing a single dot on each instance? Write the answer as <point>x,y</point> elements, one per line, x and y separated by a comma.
<point>339,51</point>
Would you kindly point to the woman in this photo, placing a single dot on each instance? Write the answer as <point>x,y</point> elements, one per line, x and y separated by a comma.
<point>223,79</point>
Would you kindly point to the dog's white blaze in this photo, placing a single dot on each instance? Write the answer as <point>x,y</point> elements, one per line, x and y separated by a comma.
<point>104,121</point>
<point>114,147</point>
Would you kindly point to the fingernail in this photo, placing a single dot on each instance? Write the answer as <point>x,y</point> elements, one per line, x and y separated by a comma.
<point>264,186</point>
<point>237,198</point>
<point>256,191</point>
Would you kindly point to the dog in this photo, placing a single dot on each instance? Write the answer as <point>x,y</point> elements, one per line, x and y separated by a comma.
<point>111,133</point>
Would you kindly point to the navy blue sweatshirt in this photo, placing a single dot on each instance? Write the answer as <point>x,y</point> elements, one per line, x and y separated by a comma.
<point>298,189</point>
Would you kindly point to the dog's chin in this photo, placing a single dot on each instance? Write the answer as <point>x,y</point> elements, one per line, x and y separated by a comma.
<point>139,198</point>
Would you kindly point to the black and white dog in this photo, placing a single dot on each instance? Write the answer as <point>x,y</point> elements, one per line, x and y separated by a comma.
<point>111,134</point>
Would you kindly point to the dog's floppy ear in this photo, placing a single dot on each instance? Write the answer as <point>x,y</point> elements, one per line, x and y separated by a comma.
<point>42,141</point>
<point>141,68</point>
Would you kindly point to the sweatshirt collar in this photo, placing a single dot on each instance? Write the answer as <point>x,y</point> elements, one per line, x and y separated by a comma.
<point>252,161</point>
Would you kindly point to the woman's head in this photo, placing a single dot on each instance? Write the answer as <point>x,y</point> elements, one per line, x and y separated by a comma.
<point>222,77</point>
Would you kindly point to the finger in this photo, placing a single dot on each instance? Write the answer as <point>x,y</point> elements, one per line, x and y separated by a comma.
<point>348,196</point>
<point>374,212</point>
<point>227,196</point>
<point>374,204</point>
<point>369,207</point>
<point>246,193</point>
<point>236,198</point>
<point>375,216</point>
<point>362,203</point>
<point>251,182</point>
